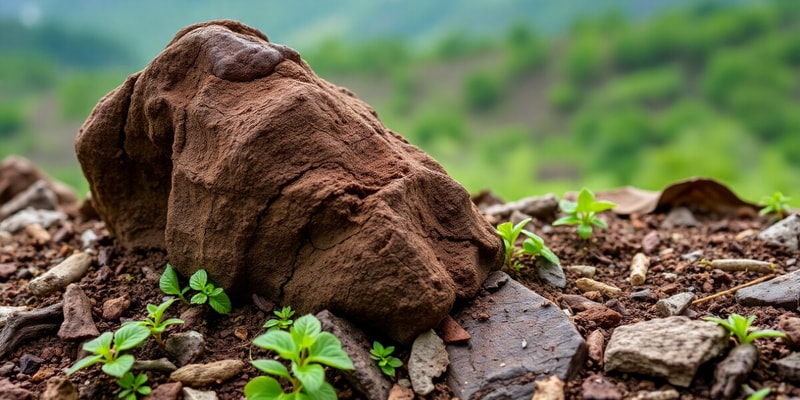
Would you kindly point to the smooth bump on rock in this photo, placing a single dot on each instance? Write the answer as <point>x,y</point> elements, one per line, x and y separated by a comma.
<point>672,348</point>
<point>784,233</point>
<point>495,365</point>
<point>192,394</point>
<point>294,187</point>
<point>428,360</point>
<point>78,324</point>
<point>185,347</point>
<point>199,375</point>
<point>59,388</point>
<point>367,377</point>
<point>70,270</point>
<point>675,305</point>
<point>783,291</point>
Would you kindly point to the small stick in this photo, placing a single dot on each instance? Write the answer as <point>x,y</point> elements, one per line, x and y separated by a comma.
<point>740,264</point>
<point>733,289</point>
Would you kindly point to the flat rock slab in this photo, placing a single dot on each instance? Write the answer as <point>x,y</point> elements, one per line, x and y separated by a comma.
<point>783,291</point>
<point>525,338</point>
<point>784,233</point>
<point>672,348</point>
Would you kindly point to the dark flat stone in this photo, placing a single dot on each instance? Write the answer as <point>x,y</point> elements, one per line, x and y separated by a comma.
<point>526,338</point>
<point>783,291</point>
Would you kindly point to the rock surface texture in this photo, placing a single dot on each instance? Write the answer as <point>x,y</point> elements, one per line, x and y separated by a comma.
<point>673,348</point>
<point>230,153</point>
<point>523,338</point>
<point>783,291</point>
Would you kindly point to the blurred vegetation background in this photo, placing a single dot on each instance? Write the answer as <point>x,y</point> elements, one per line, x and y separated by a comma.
<point>521,97</point>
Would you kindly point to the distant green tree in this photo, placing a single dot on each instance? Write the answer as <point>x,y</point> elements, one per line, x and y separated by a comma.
<point>483,90</point>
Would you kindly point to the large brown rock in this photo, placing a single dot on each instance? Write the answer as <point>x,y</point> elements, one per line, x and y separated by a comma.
<point>228,151</point>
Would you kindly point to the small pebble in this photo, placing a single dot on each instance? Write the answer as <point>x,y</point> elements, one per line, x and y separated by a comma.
<point>643,295</point>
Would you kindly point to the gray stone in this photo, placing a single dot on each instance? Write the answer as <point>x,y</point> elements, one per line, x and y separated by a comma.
<point>162,366</point>
<point>88,238</point>
<point>367,378</point>
<point>540,207</point>
<point>733,370</point>
<point>165,391</point>
<point>675,305</point>
<point>185,347</point>
<point>496,365</point>
<point>693,256</point>
<point>673,348</point>
<point>192,394</point>
<point>679,216</point>
<point>37,196</point>
<point>29,216</point>
<point>428,360</point>
<point>783,291</point>
<point>643,295</point>
<point>198,375</point>
<point>783,233</point>
<point>789,367</point>
<point>29,364</point>
<point>550,273</point>
<point>78,324</point>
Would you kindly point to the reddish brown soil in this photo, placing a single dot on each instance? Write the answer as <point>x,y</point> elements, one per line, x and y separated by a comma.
<point>117,272</point>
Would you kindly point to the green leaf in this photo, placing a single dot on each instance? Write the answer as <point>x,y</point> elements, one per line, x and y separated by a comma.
<point>567,220</point>
<point>550,256</point>
<point>328,350</point>
<point>568,207</point>
<point>127,380</point>
<point>762,334</point>
<point>198,280</point>
<point>120,366</point>
<point>100,344</point>
<point>215,292</point>
<point>324,392</point>
<point>584,230</point>
<point>145,390</point>
<point>140,380</point>
<point>305,330</point>
<point>220,302</point>
<point>272,367</point>
<point>280,342</point>
<point>387,370</point>
<point>273,323</point>
<point>130,336</point>
<point>395,362</point>
<point>585,200</point>
<point>599,223</point>
<point>602,205</point>
<point>172,321</point>
<point>127,393</point>
<point>199,298</point>
<point>311,375</point>
<point>263,388</point>
<point>84,363</point>
<point>169,281</point>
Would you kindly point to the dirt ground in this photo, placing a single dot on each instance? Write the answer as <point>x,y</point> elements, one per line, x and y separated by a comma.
<point>117,273</point>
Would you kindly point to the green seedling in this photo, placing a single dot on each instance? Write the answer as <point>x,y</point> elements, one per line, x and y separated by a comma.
<point>760,394</point>
<point>307,348</point>
<point>283,321</point>
<point>114,362</point>
<point>215,296</point>
<point>132,386</point>
<point>742,328</point>
<point>584,213</point>
<point>169,284</point>
<point>155,322</point>
<point>776,204</point>
<point>533,245</point>
<point>383,355</point>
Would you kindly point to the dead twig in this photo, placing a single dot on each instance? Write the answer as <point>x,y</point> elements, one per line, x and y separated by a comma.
<point>27,325</point>
<point>733,289</point>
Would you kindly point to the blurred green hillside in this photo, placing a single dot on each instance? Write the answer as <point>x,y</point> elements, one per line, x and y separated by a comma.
<point>610,97</point>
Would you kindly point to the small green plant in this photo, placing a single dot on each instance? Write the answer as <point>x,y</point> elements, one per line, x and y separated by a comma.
<point>284,320</point>
<point>169,284</point>
<point>742,328</point>
<point>533,245</point>
<point>777,204</point>
<point>307,348</point>
<point>214,296</point>
<point>760,394</point>
<point>132,386</point>
<point>154,321</point>
<point>114,362</point>
<point>383,355</point>
<point>584,213</point>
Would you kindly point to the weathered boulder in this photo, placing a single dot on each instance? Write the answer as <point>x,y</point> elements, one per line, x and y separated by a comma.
<point>230,153</point>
